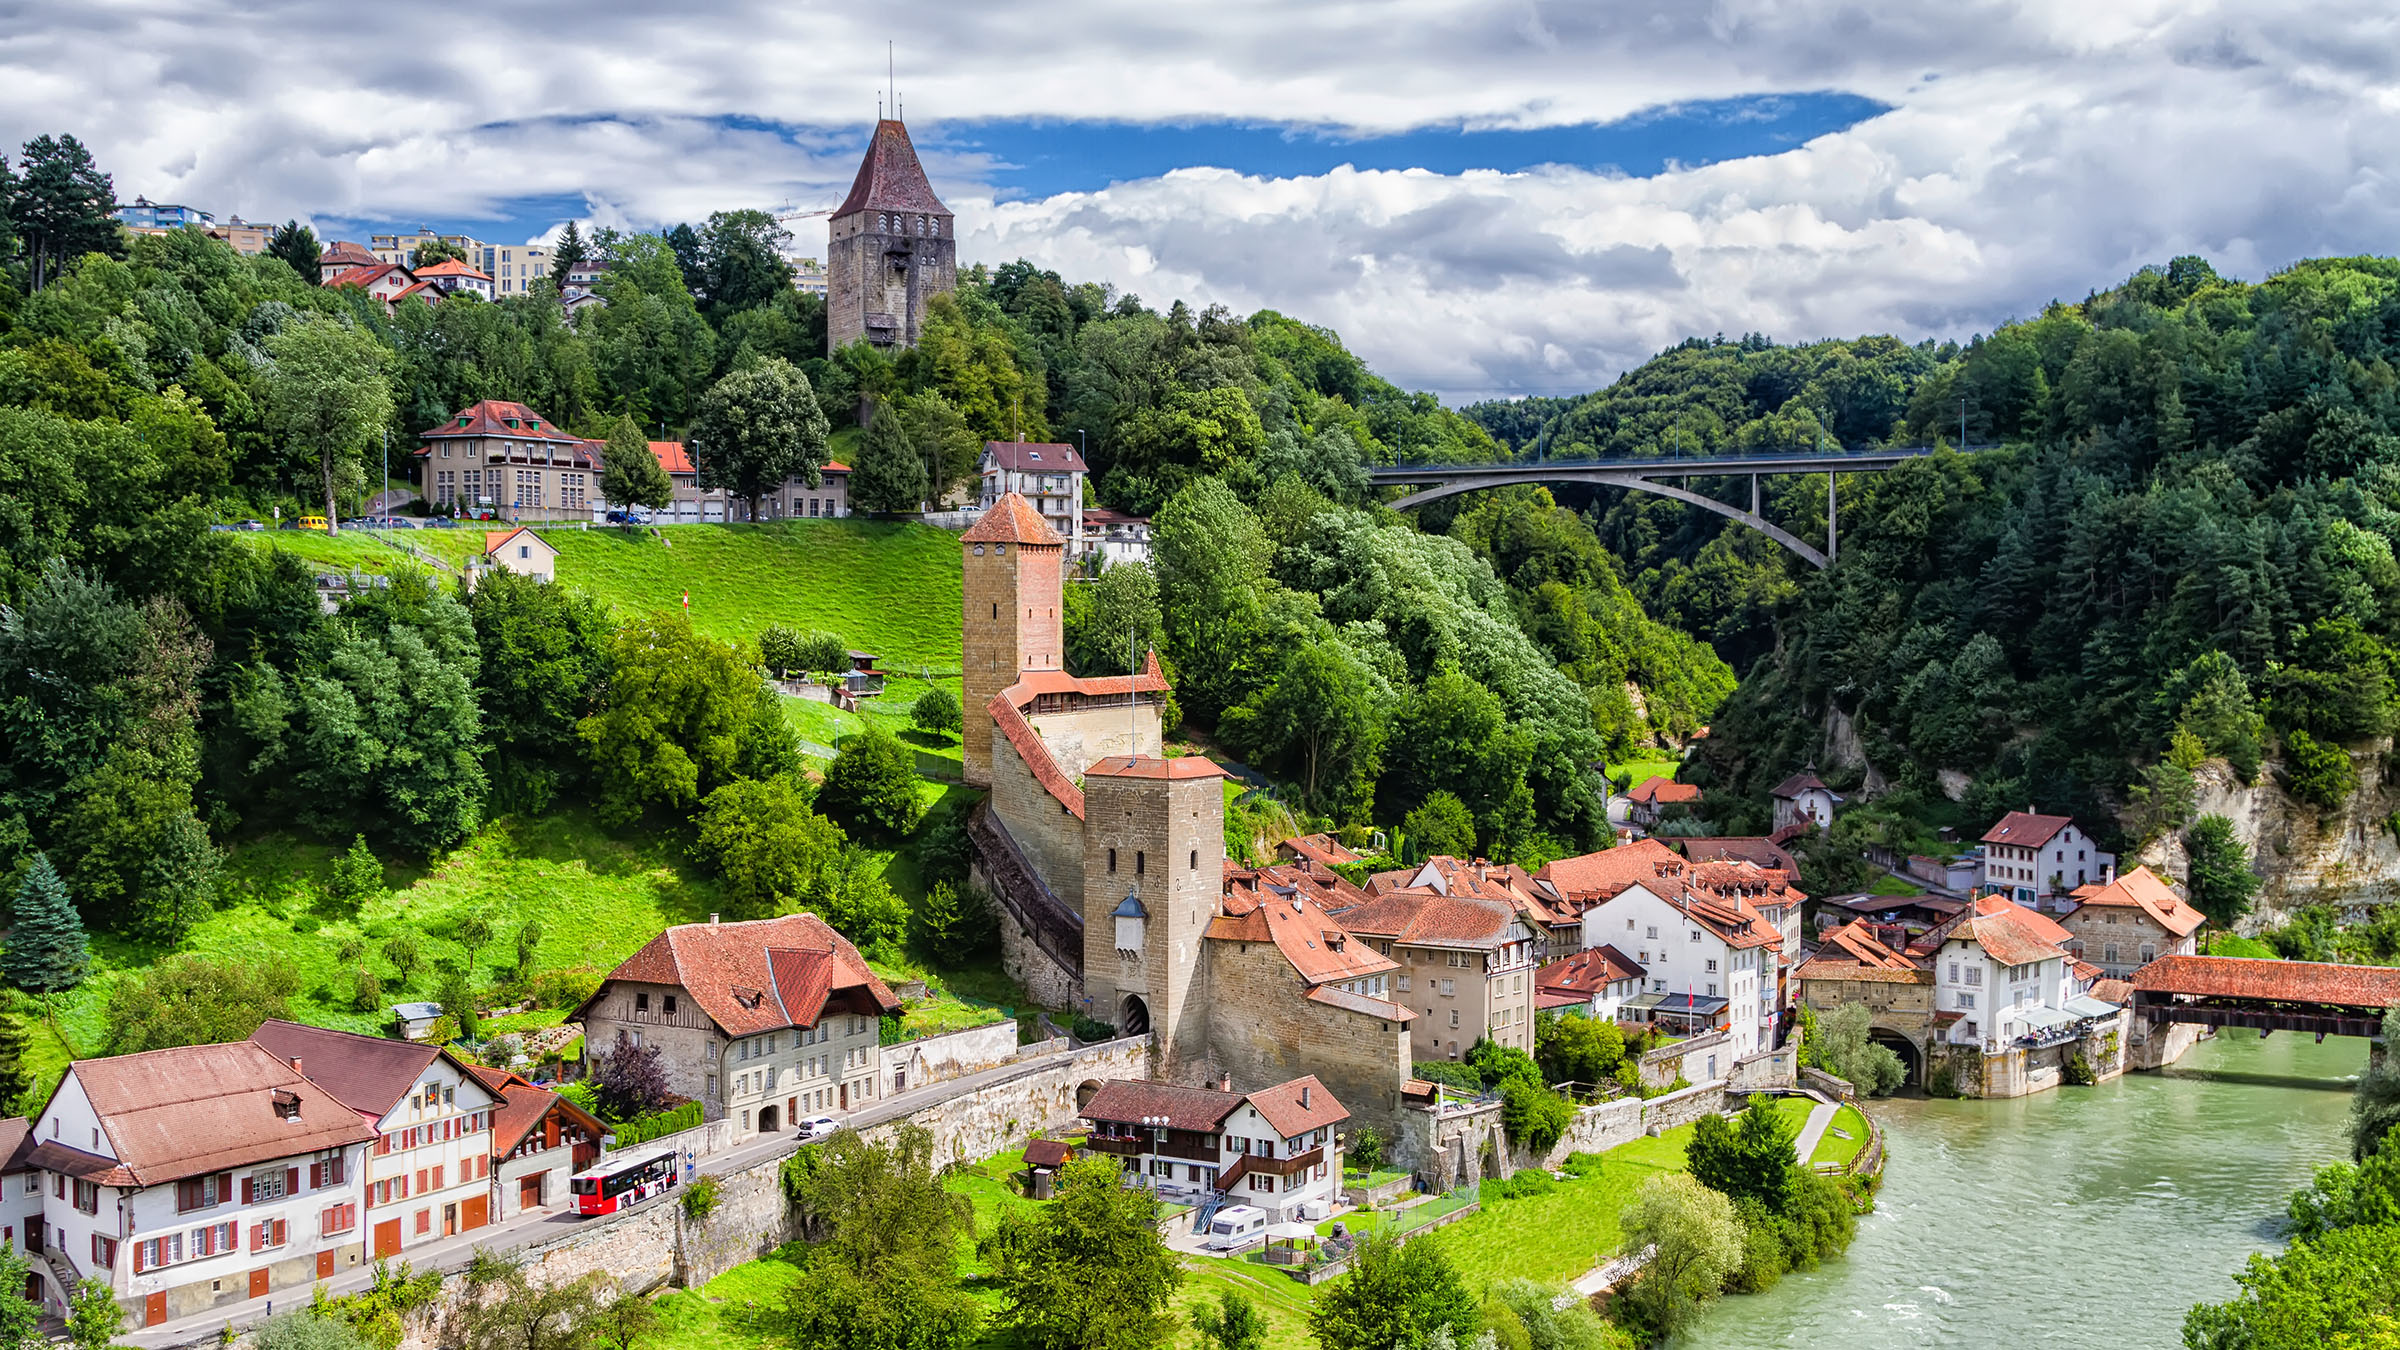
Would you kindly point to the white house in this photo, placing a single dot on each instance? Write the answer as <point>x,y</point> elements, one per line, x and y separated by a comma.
<point>2031,856</point>
<point>1047,475</point>
<point>1116,536</point>
<point>429,1175</point>
<point>1598,982</point>
<point>189,1178</point>
<point>1708,962</point>
<point>521,551</point>
<point>1278,1149</point>
<point>2005,972</point>
<point>1803,799</point>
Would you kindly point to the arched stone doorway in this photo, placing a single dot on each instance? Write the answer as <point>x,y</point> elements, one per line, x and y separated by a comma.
<point>1084,1093</point>
<point>1133,1016</point>
<point>1911,1059</point>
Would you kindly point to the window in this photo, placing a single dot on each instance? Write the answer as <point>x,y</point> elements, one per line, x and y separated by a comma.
<point>1975,975</point>
<point>1112,860</point>
<point>641,1003</point>
<point>2108,953</point>
<point>1965,999</point>
<point>1712,965</point>
<point>1139,863</point>
<point>1652,933</point>
<point>1454,1017</point>
<point>87,1195</point>
<point>1712,988</point>
<point>1449,987</point>
<point>424,1220</point>
<point>269,1233</point>
<point>1404,984</point>
<point>1695,935</point>
<point>1262,1181</point>
<point>194,1192</point>
<point>104,1251</point>
<point>1195,860</point>
<point>267,1185</point>
<point>670,1005</point>
<point>337,1219</point>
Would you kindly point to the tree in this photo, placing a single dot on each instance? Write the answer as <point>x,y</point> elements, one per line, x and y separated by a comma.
<point>529,941</point>
<point>2219,874</point>
<point>681,716</point>
<point>1577,1049</point>
<point>356,874</point>
<point>326,400</point>
<point>46,950</point>
<point>629,474</point>
<point>1843,1048</point>
<point>435,250</point>
<point>197,1000</point>
<point>569,253</point>
<point>632,1080</point>
<point>1440,825</point>
<point>889,475</point>
<point>16,1081</point>
<point>945,443</point>
<point>454,991</point>
<point>819,652</point>
<point>765,843</point>
<point>1089,1271</point>
<point>884,1274</point>
<point>956,925</point>
<point>20,1317</point>
<point>757,428</point>
<point>297,245</point>
<point>404,952</point>
<point>305,1330</point>
<point>1317,721</point>
<point>1695,1243</point>
<point>511,1312</point>
<point>1394,1298</point>
<point>740,263</point>
<point>629,1320</point>
<point>2338,1292</point>
<point>937,710</point>
<point>64,208</point>
<point>2375,1102</point>
<point>1748,1158</point>
<point>779,649</point>
<point>1235,1323</point>
<point>545,664</point>
<point>2317,772</point>
<point>474,932</point>
<point>93,1317</point>
<point>871,786</point>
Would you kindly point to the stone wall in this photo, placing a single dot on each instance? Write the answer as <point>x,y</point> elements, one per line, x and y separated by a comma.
<point>2155,1045</point>
<point>1047,983</point>
<point>1596,1129</point>
<point>1078,737</point>
<point>1447,1146</point>
<point>954,1054</point>
<point>1004,1115</point>
<point>1263,1030</point>
<point>1766,1069</point>
<point>1047,833</point>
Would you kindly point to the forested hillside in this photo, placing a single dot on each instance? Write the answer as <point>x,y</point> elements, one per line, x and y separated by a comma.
<point>2182,546</point>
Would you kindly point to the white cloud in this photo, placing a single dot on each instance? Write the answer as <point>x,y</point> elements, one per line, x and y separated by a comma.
<point>2033,150</point>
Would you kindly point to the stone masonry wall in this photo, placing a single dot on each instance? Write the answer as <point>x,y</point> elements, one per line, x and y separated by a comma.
<point>1047,983</point>
<point>1077,738</point>
<point>1050,836</point>
<point>1001,1117</point>
<point>1263,1031</point>
<point>954,1054</point>
<point>1596,1129</point>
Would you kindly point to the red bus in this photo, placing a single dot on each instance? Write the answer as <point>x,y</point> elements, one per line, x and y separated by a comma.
<point>620,1183</point>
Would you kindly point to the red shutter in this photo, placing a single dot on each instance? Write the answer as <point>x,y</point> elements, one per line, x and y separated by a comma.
<point>316,1175</point>
<point>138,1249</point>
<point>291,1181</point>
<point>282,1231</point>
<point>224,1186</point>
<point>248,1189</point>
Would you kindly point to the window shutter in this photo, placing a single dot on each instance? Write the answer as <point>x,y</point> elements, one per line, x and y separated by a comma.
<point>291,1180</point>
<point>224,1186</point>
<point>316,1175</point>
<point>249,1190</point>
<point>280,1232</point>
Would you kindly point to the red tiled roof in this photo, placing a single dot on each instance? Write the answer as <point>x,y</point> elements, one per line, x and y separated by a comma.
<point>1146,766</point>
<point>759,975</point>
<point>1283,1108</point>
<point>1802,782</point>
<point>2024,829</point>
<point>1754,849</point>
<point>889,177</point>
<point>420,288</point>
<point>1663,792</point>
<point>1152,680</point>
<point>1035,457</point>
<point>2119,992</point>
<point>1027,743</point>
<point>2011,934</point>
<point>1132,1101</point>
<point>168,1114</point>
<point>1643,860</point>
<point>2271,980</point>
<point>1012,520</point>
<point>1048,1153</point>
<point>1854,952</point>
<point>523,1107</point>
<point>343,251</point>
<point>1288,906</point>
<point>365,274</point>
<point>450,267</point>
<point>2142,889</point>
<point>1422,915</point>
<point>671,456</point>
<point>370,1074</point>
<point>495,540</point>
<point>491,417</point>
<point>1587,972</point>
<point>1323,848</point>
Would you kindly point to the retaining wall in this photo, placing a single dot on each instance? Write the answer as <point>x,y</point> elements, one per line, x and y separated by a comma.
<point>953,1054</point>
<point>1596,1129</point>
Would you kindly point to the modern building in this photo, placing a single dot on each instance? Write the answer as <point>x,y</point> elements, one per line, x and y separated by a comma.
<point>512,268</point>
<point>189,1178</point>
<point>1047,475</point>
<point>1277,1150</point>
<point>145,216</point>
<point>2124,923</point>
<point>245,237</point>
<point>763,1022</point>
<point>539,1140</point>
<point>1803,799</point>
<point>497,455</point>
<point>891,248</point>
<point>429,1174</point>
<point>401,248</point>
<point>2034,858</point>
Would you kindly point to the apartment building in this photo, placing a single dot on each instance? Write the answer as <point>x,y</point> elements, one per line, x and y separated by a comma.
<point>1279,1149</point>
<point>1708,962</point>
<point>763,1022</point>
<point>402,248</point>
<point>1465,965</point>
<point>2031,857</point>
<point>429,1174</point>
<point>188,1178</point>
<point>513,268</point>
<point>498,455</point>
<point>1047,475</point>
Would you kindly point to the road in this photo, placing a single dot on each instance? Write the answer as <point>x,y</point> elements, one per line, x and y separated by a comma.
<point>452,1254</point>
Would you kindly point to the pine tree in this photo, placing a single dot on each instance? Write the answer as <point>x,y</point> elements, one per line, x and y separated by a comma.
<point>296,244</point>
<point>629,474</point>
<point>567,255</point>
<point>46,950</point>
<point>889,475</point>
<point>65,207</point>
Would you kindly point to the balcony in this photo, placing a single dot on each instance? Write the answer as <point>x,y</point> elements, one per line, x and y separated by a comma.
<point>1291,1166</point>
<point>1191,1148</point>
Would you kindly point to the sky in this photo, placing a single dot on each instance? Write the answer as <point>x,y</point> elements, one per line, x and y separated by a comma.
<point>1484,199</point>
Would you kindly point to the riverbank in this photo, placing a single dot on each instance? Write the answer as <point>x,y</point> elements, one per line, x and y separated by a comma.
<point>2091,1216</point>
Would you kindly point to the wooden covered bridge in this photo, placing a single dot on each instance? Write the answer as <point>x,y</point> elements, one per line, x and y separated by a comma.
<point>2236,991</point>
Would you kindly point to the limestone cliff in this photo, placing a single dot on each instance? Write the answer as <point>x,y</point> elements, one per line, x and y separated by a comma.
<point>2347,856</point>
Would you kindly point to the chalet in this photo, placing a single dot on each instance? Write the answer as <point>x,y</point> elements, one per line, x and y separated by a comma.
<point>1279,1149</point>
<point>538,1139</point>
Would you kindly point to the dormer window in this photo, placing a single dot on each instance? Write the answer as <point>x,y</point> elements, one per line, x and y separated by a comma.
<point>287,1105</point>
<point>462,419</point>
<point>1034,455</point>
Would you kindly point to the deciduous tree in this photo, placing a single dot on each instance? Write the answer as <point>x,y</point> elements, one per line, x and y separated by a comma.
<point>757,428</point>
<point>632,1080</point>
<point>871,786</point>
<point>884,1275</point>
<point>1695,1242</point>
<point>1231,1323</point>
<point>765,843</point>
<point>197,1000</point>
<point>1088,1272</point>
<point>327,398</point>
<point>1394,1298</point>
<point>937,710</point>
<point>629,474</point>
<point>682,715</point>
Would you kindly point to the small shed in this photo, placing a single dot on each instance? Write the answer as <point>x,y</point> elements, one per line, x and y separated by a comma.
<point>1043,1158</point>
<point>521,551</point>
<point>417,1019</point>
<point>862,678</point>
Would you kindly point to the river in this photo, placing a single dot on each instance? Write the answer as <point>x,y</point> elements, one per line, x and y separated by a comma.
<point>2086,1216</point>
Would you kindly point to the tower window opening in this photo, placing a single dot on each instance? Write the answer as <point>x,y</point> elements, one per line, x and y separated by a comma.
<point>995,609</point>
<point>1137,863</point>
<point>1112,860</point>
<point>1195,860</point>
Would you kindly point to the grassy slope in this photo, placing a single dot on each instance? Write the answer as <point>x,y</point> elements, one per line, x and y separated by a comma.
<point>1832,1148</point>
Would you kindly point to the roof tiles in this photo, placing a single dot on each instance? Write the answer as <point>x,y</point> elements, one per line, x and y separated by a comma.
<point>168,1114</point>
<point>889,176</point>
<point>1012,520</point>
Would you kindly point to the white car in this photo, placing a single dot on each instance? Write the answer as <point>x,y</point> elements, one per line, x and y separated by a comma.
<point>817,1127</point>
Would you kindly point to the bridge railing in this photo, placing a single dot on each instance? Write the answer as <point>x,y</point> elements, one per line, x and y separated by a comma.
<point>1830,453</point>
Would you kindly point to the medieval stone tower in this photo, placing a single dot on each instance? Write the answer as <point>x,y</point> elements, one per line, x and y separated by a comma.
<point>1012,582</point>
<point>892,248</point>
<point>1153,871</point>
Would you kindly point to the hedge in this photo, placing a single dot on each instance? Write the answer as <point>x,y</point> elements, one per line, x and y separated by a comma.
<point>643,1129</point>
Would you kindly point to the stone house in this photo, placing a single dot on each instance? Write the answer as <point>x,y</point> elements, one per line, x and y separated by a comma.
<point>521,551</point>
<point>1279,1149</point>
<point>539,1139</point>
<point>2033,857</point>
<point>1466,961</point>
<point>891,247</point>
<point>188,1178</point>
<point>2127,922</point>
<point>762,1022</point>
<point>1868,963</point>
<point>429,1174</point>
<point>500,456</point>
<point>1803,799</point>
<point>1598,982</point>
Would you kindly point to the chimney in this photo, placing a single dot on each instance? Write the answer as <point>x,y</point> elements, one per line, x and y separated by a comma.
<point>712,920</point>
<point>1224,1082</point>
<point>1304,1096</point>
<point>296,1064</point>
<point>2108,875</point>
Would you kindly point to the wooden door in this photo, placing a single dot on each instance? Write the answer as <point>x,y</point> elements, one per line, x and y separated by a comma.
<point>450,1220</point>
<point>387,1239</point>
<point>474,1212</point>
<point>154,1310</point>
<point>325,1265</point>
<point>258,1284</point>
<point>529,1191</point>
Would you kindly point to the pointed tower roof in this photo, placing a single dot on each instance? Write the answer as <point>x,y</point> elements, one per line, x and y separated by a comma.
<point>889,178</point>
<point>1012,520</point>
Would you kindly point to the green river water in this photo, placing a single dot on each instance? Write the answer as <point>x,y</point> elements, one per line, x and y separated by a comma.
<point>2090,1217</point>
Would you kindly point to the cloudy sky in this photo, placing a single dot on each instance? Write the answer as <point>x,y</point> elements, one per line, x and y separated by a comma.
<point>1484,198</point>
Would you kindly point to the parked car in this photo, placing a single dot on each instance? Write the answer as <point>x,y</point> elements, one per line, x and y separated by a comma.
<point>817,1127</point>
<point>440,523</point>
<point>1236,1227</point>
<point>250,525</point>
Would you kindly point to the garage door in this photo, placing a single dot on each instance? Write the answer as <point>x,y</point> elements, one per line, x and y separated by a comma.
<point>475,1213</point>
<point>387,1238</point>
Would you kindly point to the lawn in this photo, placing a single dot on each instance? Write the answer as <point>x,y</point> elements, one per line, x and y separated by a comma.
<point>364,551</point>
<point>1887,884</point>
<point>1833,1148</point>
<point>1563,1232</point>
<point>741,1309</point>
<point>892,589</point>
<point>893,711</point>
<point>1633,771</point>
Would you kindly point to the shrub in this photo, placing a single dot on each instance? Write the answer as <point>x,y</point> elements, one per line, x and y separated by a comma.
<point>1366,1148</point>
<point>357,874</point>
<point>1087,1029</point>
<point>2317,772</point>
<point>937,710</point>
<point>871,786</point>
<point>1449,1074</point>
<point>700,1198</point>
<point>366,990</point>
<point>2078,1070</point>
<point>657,1125</point>
<point>562,988</point>
<point>1531,1181</point>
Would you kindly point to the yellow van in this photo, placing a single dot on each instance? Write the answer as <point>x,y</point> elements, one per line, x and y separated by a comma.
<point>312,522</point>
